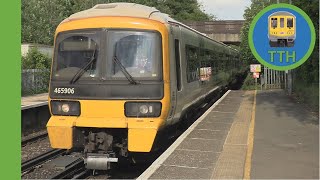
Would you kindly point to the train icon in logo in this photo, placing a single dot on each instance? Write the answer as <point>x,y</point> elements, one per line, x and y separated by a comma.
<point>281,29</point>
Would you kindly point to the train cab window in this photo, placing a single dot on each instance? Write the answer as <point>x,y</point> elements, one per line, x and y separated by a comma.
<point>281,22</point>
<point>139,53</point>
<point>290,22</point>
<point>178,67</point>
<point>274,22</point>
<point>76,51</point>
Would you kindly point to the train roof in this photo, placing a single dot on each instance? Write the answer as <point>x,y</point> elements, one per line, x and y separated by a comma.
<point>122,9</point>
<point>131,10</point>
<point>281,13</point>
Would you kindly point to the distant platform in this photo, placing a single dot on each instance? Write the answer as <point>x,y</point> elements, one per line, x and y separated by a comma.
<point>34,101</point>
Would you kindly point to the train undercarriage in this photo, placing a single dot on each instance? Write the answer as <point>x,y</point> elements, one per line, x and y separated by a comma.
<point>282,43</point>
<point>101,147</point>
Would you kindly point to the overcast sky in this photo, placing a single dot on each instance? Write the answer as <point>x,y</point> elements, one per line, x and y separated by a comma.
<point>225,9</point>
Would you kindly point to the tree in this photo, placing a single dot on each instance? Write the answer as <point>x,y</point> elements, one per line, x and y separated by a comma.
<point>309,71</point>
<point>41,17</point>
<point>249,13</point>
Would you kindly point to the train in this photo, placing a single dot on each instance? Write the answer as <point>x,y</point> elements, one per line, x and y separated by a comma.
<point>123,75</point>
<point>281,29</point>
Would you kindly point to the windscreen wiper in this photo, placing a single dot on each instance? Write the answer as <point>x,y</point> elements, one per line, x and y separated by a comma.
<point>81,71</point>
<point>124,71</point>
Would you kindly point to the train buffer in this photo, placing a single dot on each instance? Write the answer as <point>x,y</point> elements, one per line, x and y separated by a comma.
<point>34,101</point>
<point>246,134</point>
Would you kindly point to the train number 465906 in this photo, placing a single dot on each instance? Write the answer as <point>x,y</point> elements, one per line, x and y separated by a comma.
<point>64,90</point>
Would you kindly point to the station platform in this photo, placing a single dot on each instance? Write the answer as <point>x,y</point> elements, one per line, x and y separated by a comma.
<point>34,101</point>
<point>245,134</point>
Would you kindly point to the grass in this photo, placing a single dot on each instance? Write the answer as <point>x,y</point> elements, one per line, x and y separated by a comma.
<point>249,83</point>
<point>307,93</point>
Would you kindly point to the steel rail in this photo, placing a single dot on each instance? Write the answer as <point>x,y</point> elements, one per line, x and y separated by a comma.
<point>31,163</point>
<point>34,138</point>
<point>75,168</point>
<point>82,175</point>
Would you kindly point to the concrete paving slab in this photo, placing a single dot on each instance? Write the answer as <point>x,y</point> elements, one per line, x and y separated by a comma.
<point>202,145</point>
<point>226,108</point>
<point>192,159</point>
<point>238,134</point>
<point>220,119</point>
<point>208,134</point>
<point>214,126</point>
<point>231,162</point>
<point>219,115</point>
<point>174,172</point>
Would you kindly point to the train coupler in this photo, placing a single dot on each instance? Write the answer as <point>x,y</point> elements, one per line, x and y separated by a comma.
<point>100,161</point>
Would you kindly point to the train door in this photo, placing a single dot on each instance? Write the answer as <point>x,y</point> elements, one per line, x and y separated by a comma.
<point>177,86</point>
<point>282,26</point>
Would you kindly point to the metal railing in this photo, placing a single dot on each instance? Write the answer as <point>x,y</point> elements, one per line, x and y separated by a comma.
<point>34,81</point>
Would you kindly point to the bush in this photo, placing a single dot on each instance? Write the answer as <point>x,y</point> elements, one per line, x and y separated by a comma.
<point>249,83</point>
<point>36,74</point>
<point>35,60</point>
<point>308,93</point>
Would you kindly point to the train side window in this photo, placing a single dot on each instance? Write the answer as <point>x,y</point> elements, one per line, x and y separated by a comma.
<point>192,54</point>
<point>207,55</point>
<point>221,61</point>
<point>274,22</point>
<point>281,22</point>
<point>178,67</point>
<point>290,22</point>
<point>213,61</point>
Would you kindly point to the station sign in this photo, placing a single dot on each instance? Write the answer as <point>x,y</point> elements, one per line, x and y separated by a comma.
<point>255,68</point>
<point>282,36</point>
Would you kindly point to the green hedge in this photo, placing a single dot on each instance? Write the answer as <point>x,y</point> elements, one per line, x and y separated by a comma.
<point>249,83</point>
<point>35,73</point>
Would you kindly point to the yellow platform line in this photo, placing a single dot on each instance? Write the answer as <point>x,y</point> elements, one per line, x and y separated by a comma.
<point>247,167</point>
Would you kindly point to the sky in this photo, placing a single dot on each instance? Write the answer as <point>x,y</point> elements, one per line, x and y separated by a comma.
<point>225,9</point>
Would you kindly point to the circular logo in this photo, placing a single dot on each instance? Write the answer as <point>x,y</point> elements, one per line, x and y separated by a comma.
<point>282,36</point>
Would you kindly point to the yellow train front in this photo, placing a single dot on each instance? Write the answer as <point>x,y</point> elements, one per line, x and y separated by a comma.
<point>282,29</point>
<point>122,73</point>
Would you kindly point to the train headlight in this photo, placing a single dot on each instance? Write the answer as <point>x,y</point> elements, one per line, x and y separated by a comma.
<point>65,108</point>
<point>142,109</point>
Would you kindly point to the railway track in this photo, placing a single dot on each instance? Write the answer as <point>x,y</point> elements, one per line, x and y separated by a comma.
<point>76,170</point>
<point>34,138</point>
<point>32,163</point>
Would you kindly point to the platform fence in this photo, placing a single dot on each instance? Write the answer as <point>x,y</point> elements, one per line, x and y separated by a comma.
<point>34,81</point>
<point>273,79</point>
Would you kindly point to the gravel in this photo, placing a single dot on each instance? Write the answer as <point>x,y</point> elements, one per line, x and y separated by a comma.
<point>34,149</point>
